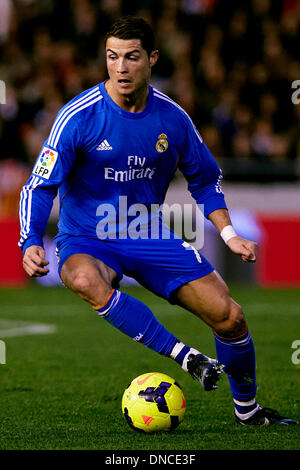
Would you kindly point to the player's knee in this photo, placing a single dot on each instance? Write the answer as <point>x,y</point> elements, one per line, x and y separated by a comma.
<point>90,287</point>
<point>233,322</point>
<point>81,282</point>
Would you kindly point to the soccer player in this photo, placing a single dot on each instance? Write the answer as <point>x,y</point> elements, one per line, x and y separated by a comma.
<point>113,150</point>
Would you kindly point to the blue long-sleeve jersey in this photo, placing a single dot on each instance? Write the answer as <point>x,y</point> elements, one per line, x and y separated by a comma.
<point>97,152</point>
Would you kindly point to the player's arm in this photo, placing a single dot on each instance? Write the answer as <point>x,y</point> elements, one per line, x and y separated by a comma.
<point>51,168</point>
<point>245,248</point>
<point>36,202</point>
<point>204,183</point>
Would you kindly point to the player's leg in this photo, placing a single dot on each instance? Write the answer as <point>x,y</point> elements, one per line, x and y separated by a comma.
<point>92,280</point>
<point>88,277</point>
<point>209,298</point>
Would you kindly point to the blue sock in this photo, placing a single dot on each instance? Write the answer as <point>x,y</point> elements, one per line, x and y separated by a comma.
<point>238,357</point>
<point>136,320</point>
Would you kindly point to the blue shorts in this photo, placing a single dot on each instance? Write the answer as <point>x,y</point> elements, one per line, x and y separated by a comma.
<point>159,265</point>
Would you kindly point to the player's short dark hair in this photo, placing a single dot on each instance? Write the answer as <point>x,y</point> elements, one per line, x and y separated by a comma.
<point>133,27</point>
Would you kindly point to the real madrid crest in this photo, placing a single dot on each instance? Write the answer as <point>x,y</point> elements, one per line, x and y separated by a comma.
<point>162,144</point>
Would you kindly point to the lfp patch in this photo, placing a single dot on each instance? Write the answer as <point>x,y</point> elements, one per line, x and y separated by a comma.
<point>45,163</point>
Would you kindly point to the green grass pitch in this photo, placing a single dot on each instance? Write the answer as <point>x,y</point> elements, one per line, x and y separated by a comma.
<point>63,390</point>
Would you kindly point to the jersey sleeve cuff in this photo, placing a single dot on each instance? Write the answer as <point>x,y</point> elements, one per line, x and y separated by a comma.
<point>34,240</point>
<point>213,203</point>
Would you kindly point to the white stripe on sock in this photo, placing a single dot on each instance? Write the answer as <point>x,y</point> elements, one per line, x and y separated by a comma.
<point>245,403</point>
<point>115,300</point>
<point>247,415</point>
<point>176,350</point>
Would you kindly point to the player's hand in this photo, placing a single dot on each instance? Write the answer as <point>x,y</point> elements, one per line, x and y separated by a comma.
<point>245,248</point>
<point>34,261</point>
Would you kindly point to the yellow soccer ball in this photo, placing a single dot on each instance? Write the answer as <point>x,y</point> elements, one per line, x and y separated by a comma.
<point>153,402</point>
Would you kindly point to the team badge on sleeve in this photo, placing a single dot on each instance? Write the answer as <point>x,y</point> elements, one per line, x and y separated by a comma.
<point>45,163</point>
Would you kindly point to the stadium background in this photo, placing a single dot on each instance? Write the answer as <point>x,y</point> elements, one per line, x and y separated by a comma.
<point>229,64</point>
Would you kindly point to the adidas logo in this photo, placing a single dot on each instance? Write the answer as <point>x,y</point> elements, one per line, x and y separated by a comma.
<point>104,145</point>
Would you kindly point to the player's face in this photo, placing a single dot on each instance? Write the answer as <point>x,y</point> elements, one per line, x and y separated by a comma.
<point>129,65</point>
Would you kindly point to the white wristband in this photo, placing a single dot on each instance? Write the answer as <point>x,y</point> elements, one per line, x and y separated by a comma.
<point>227,233</point>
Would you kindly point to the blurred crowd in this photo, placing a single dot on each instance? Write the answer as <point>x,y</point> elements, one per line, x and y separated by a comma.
<point>229,63</point>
